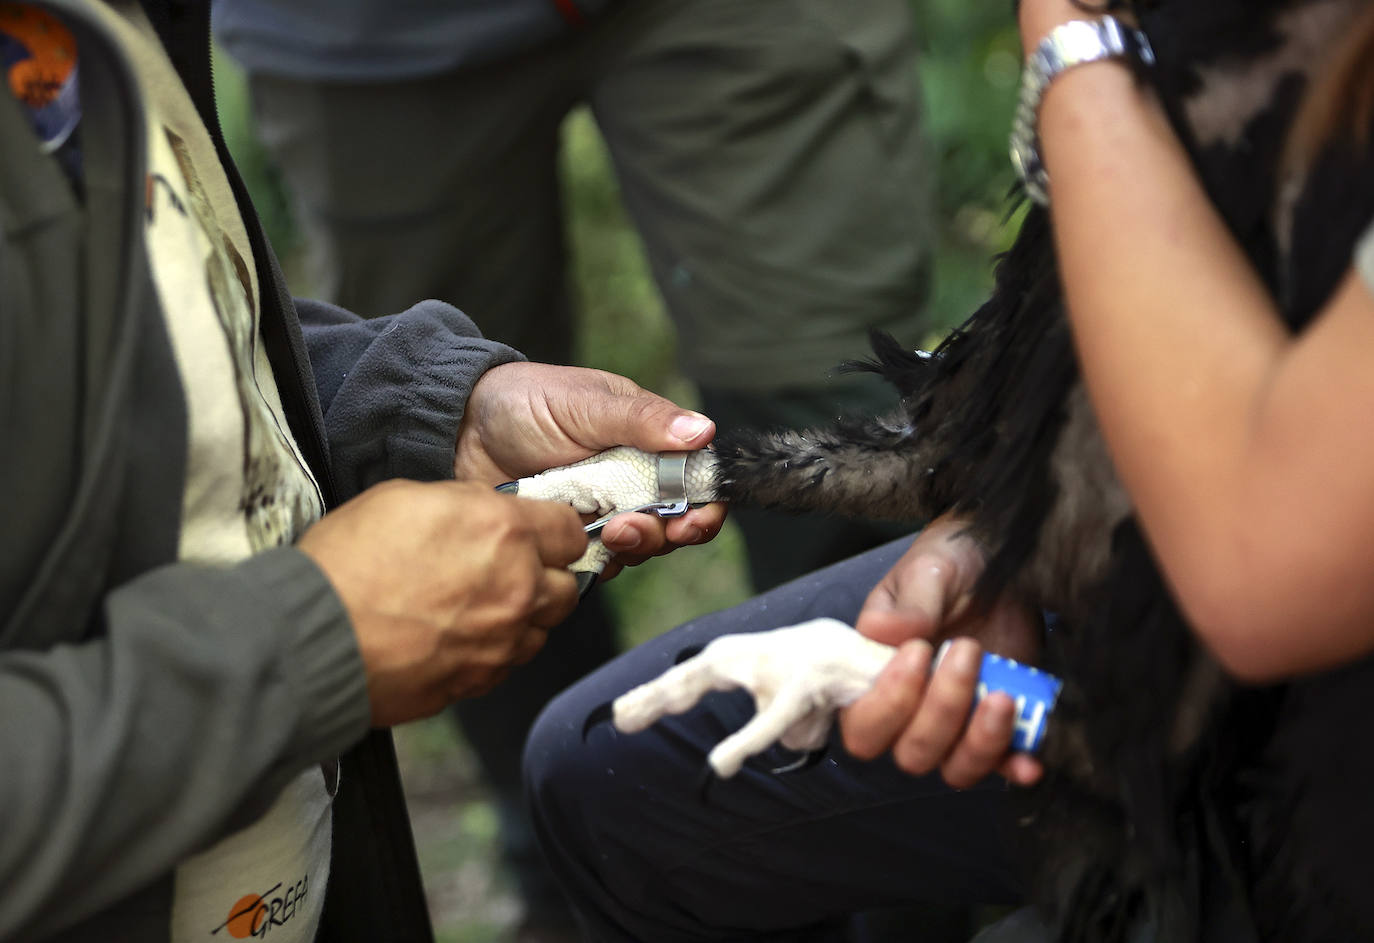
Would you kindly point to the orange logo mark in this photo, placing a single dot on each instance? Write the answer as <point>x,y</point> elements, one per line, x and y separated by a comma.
<point>245,915</point>
<point>256,914</point>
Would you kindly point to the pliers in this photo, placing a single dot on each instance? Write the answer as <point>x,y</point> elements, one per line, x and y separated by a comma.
<point>670,476</point>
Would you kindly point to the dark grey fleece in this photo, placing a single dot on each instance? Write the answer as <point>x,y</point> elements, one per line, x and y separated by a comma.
<point>393,389</point>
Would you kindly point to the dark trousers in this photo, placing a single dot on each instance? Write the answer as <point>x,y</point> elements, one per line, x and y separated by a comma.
<point>647,856</point>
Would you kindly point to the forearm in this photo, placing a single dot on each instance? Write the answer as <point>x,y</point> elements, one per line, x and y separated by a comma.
<point>1175,334</point>
<point>1211,408</point>
<point>210,689</point>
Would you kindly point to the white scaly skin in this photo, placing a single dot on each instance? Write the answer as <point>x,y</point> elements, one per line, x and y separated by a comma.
<point>610,482</point>
<point>619,479</point>
<point>799,676</point>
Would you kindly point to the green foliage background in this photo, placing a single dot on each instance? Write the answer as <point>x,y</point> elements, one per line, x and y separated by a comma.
<point>968,71</point>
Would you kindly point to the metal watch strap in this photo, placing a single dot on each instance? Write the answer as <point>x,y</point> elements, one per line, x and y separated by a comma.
<point>1069,44</point>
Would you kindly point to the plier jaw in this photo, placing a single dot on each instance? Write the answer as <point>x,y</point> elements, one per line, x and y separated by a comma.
<point>586,579</point>
<point>661,508</point>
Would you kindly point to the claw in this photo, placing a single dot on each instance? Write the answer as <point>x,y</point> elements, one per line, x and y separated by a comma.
<point>586,579</point>
<point>601,714</point>
<point>619,481</point>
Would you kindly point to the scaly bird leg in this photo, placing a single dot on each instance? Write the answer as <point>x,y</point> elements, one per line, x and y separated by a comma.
<point>799,676</point>
<point>619,480</point>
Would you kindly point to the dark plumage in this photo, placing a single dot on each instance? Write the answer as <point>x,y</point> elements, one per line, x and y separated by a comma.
<point>1174,797</point>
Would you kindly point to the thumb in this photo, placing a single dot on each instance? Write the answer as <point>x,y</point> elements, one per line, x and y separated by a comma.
<point>651,423</point>
<point>892,627</point>
<point>910,602</point>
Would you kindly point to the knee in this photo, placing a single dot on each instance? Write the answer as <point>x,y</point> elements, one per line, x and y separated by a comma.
<point>566,779</point>
<point>586,809</point>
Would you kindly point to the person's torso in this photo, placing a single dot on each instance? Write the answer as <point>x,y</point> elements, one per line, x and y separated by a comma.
<point>245,486</point>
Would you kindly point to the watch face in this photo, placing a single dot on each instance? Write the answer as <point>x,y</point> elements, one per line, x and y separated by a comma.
<point>1079,41</point>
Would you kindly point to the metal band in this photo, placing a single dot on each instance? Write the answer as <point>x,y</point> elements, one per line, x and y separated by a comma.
<point>672,477</point>
<point>1069,44</point>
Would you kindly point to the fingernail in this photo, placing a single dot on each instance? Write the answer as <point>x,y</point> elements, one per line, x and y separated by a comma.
<point>693,535</point>
<point>964,658</point>
<point>915,657</point>
<point>689,427</point>
<point>997,713</point>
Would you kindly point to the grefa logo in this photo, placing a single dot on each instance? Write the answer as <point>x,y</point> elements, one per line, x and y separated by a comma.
<point>254,915</point>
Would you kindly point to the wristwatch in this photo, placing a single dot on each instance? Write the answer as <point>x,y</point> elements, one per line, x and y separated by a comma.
<point>1069,44</point>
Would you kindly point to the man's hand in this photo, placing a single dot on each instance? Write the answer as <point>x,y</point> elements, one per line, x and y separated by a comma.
<point>523,418</point>
<point>923,718</point>
<point>448,585</point>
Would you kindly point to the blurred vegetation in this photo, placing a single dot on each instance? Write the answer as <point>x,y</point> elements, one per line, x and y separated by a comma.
<point>968,72</point>
<point>970,67</point>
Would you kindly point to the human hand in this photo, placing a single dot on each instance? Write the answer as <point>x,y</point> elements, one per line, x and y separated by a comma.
<point>523,418</point>
<point>924,717</point>
<point>448,584</point>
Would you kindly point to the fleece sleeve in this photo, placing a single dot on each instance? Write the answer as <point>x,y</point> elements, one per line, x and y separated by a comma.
<point>393,389</point>
<point>208,690</point>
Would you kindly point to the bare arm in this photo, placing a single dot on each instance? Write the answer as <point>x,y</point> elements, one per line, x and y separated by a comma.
<point>1245,448</point>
